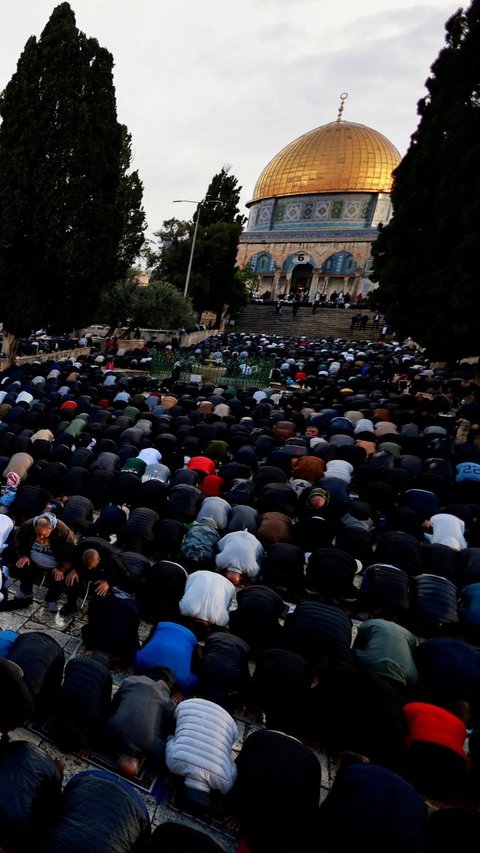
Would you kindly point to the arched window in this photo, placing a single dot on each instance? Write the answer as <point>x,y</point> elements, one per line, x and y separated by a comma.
<point>340,263</point>
<point>262,263</point>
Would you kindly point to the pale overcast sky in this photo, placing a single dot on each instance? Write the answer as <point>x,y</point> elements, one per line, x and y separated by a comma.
<point>203,83</point>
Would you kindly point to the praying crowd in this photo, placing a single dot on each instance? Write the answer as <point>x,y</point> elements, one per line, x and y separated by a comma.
<point>307,557</point>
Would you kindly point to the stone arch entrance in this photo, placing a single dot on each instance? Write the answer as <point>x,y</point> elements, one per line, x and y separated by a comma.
<point>301,280</point>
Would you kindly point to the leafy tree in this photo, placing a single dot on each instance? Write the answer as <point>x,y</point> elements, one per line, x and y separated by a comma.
<point>248,281</point>
<point>162,306</point>
<point>214,280</point>
<point>172,237</point>
<point>116,306</point>
<point>71,217</point>
<point>169,259</point>
<point>159,305</point>
<point>427,258</point>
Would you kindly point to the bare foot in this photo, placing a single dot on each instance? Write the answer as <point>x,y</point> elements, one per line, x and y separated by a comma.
<point>85,753</point>
<point>88,654</point>
<point>61,766</point>
<point>128,766</point>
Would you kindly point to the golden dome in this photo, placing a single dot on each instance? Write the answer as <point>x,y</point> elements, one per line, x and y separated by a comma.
<point>338,157</point>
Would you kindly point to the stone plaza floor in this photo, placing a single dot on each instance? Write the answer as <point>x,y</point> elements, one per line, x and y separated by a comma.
<point>158,793</point>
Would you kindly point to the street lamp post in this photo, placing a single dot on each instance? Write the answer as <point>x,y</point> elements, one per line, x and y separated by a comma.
<point>190,260</point>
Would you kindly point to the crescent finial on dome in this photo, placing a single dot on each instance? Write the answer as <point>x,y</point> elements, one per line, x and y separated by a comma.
<point>343,98</point>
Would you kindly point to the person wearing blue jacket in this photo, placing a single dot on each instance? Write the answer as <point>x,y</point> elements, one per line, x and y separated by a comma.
<point>173,646</point>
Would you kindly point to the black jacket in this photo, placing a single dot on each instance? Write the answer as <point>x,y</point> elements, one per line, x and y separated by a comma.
<point>278,789</point>
<point>17,706</point>
<point>112,627</point>
<point>256,618</point>
<point>318,632</point>
<point>111,568</point>
<point>98,813</point>
<point>224,663</point>
<point>30,792</point>
<point>83,703</point>
<point>42,660</point>
<point>138,533</point>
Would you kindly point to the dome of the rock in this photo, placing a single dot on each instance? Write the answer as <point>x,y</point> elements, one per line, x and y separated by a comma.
<point>315,212</point>
<point>337,157</point>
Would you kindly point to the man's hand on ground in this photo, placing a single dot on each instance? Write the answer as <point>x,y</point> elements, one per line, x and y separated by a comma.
<point>101,587</point>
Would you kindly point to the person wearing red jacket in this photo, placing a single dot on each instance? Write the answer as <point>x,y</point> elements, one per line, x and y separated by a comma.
<point>438,762</point>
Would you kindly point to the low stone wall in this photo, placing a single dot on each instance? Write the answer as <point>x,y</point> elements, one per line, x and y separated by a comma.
<point>189,339</point>
<point>126,345</point>
<point>159,336</point>
<point>186,339</point>
<point>74,354</point>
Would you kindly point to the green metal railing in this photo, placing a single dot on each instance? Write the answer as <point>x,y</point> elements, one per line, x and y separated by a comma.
<point>240,374</point>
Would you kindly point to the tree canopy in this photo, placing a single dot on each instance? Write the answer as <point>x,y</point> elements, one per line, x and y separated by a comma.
<point>214,280</point>
<point>159,305</point>
<point>426,259</point>
<point>71,216</point>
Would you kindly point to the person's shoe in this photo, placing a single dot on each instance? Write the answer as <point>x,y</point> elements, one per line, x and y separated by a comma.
<point>52,606</point>
<point>7,580</point>
<point>68,610</point>
<point>23,595</point>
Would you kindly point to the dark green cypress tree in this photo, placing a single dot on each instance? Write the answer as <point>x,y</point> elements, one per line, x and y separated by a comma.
<point>225,191</point>
<point>71,217</point>
<point>213,281</point>
<point>216,248</point>
<point>427,258</point>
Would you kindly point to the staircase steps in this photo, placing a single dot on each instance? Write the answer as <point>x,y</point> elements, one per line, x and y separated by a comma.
<point>326,322</point>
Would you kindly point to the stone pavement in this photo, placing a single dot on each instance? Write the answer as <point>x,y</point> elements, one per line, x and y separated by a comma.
<point>160,798</point>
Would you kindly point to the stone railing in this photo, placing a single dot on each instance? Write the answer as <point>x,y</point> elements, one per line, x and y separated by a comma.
<point>73,354</point>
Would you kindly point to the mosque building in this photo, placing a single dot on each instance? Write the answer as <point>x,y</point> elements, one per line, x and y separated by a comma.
<point>315,211</point>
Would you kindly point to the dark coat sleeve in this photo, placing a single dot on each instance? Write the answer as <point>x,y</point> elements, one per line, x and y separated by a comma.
<point>83,703</point>
<point>17,706</point>
<point>27,807</point>
<point>98,813</point>
<point>41,660</point>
